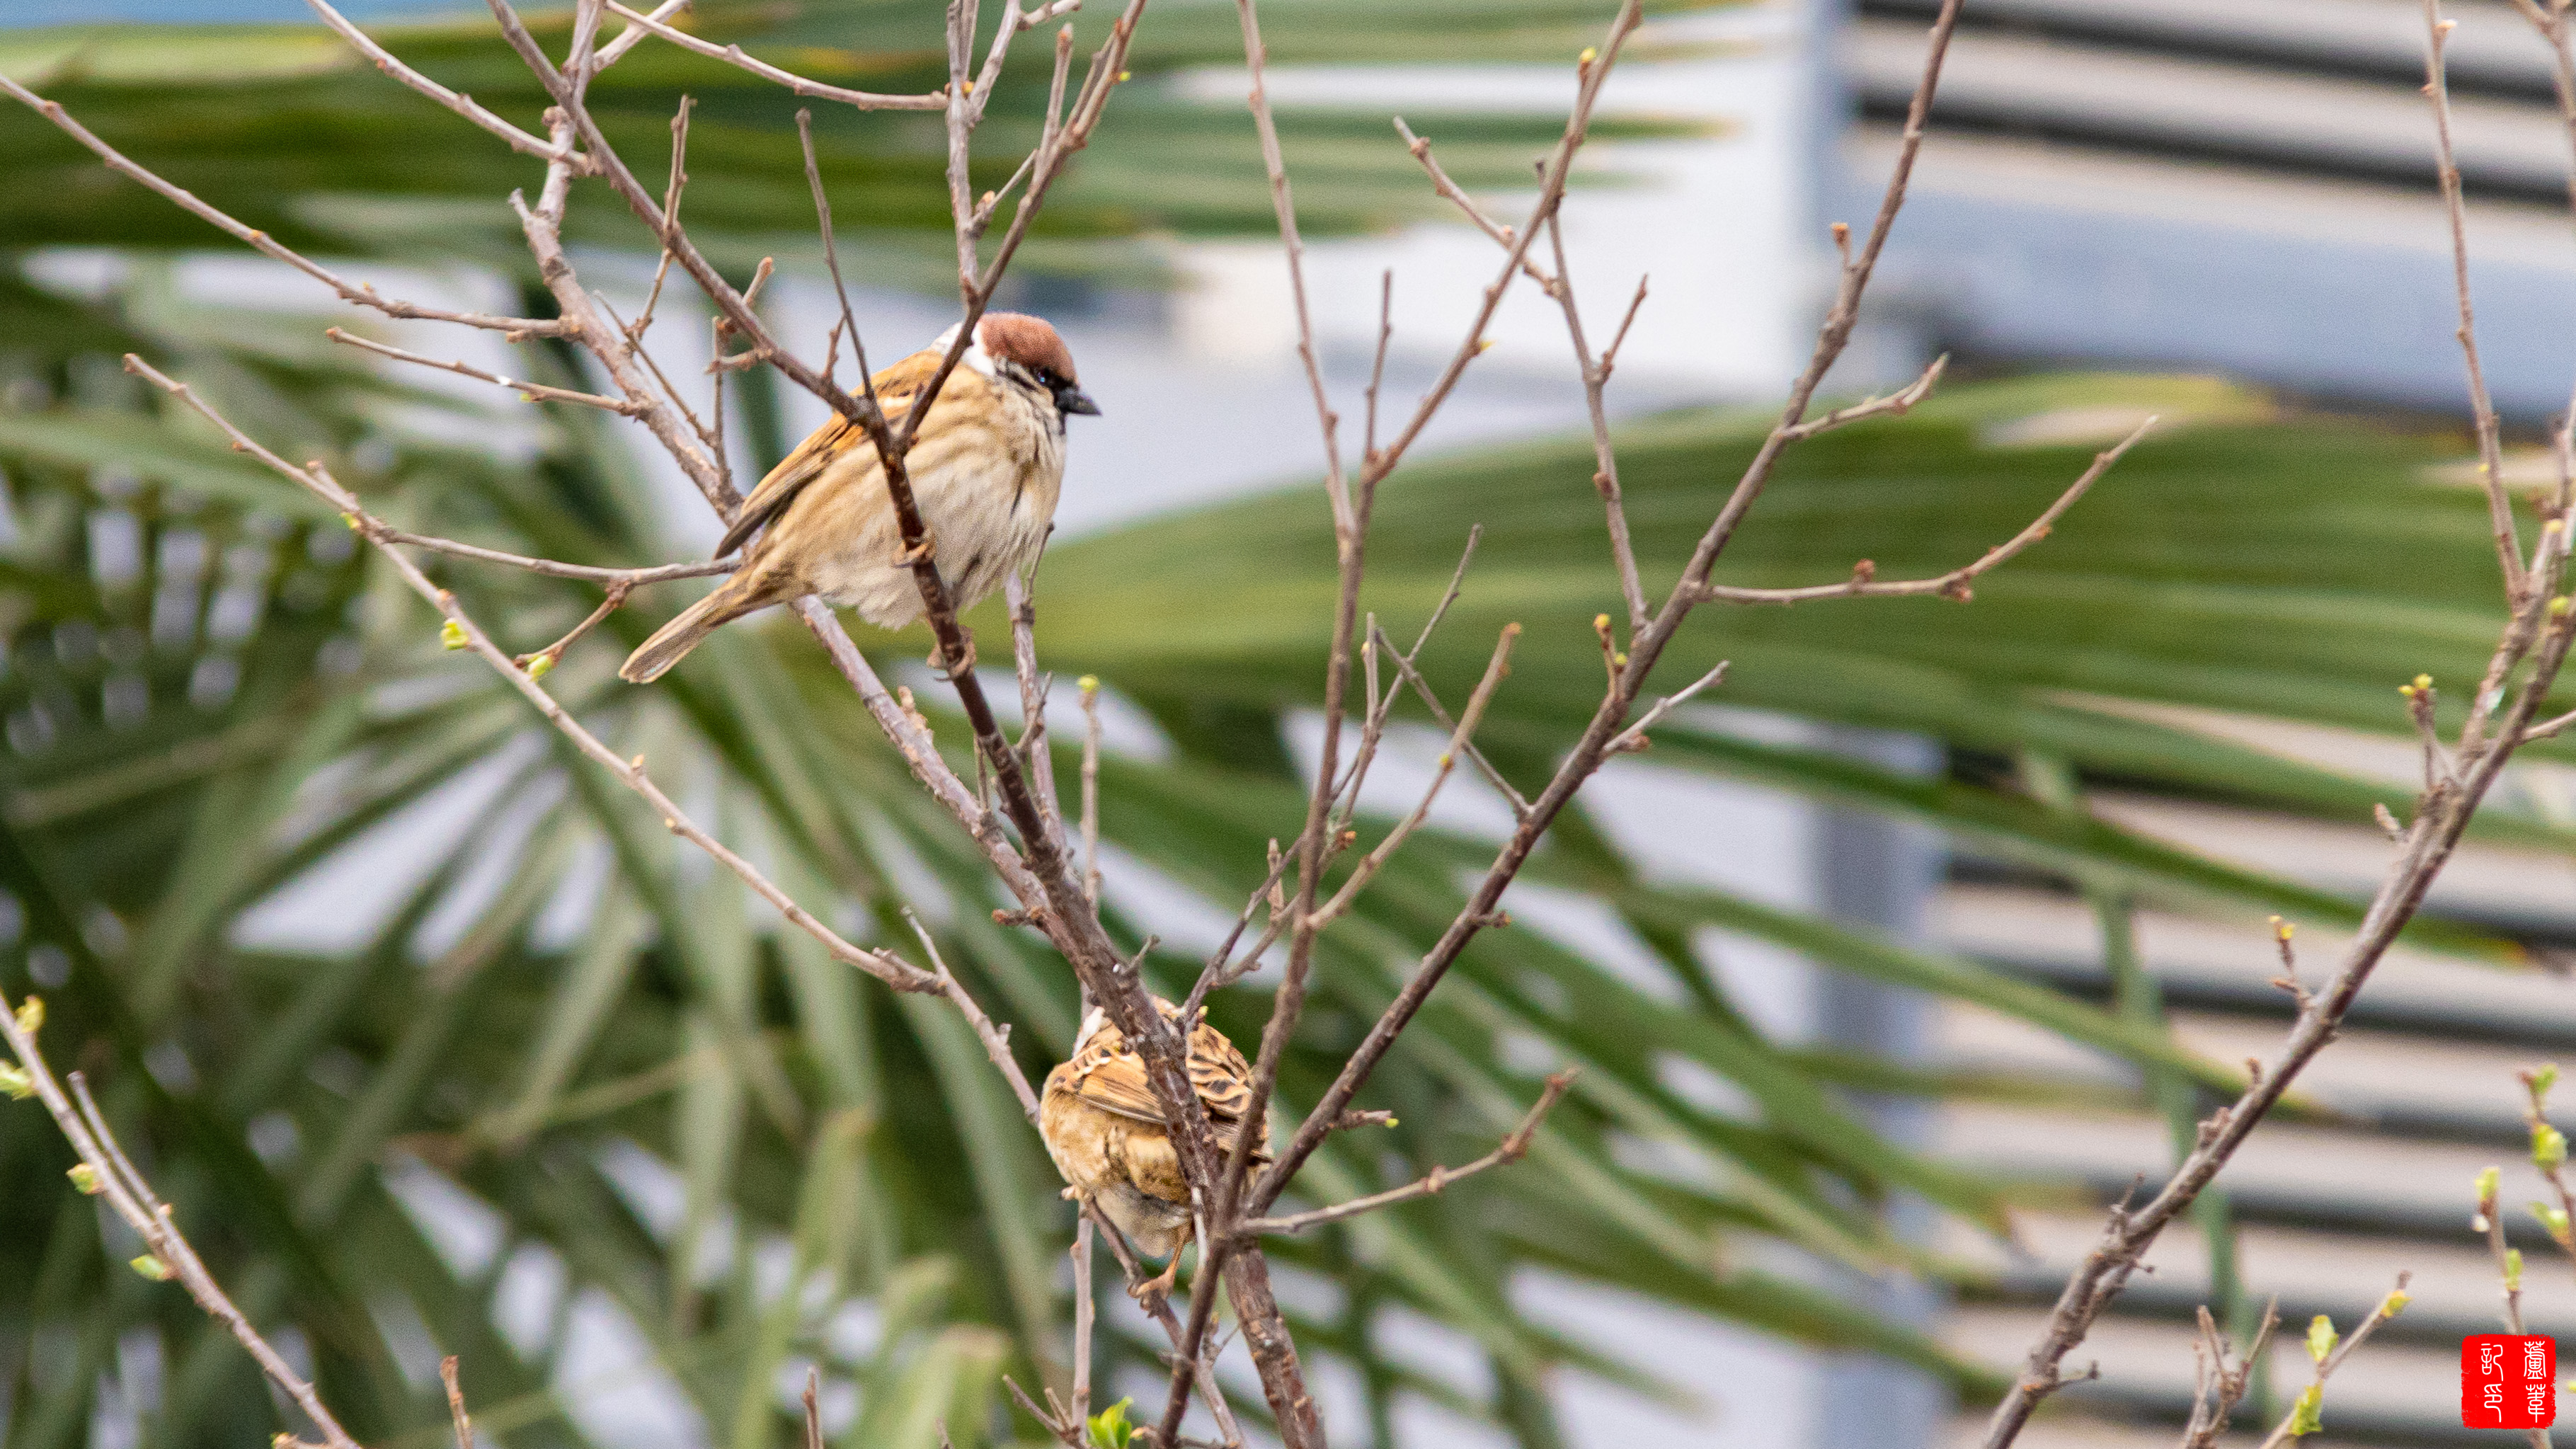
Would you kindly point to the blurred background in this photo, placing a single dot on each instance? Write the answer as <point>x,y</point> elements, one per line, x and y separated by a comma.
<point>1887,971</point>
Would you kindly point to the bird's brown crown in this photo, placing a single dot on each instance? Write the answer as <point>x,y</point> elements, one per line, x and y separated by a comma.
<point>1028,341</point>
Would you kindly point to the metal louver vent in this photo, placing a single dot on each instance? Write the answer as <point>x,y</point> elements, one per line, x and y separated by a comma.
<point>2247,187</point>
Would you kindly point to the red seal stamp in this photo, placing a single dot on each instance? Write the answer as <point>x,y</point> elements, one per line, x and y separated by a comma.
<point>2508,1381</point>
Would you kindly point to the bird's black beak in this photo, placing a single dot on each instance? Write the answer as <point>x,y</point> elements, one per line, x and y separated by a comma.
<point>1070,399</point>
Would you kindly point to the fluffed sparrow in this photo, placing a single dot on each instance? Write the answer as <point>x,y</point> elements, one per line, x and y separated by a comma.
<point>986,470</point>
<point>1105,1131</point>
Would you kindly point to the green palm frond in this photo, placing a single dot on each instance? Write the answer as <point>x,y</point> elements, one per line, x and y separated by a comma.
<point>291,131</point>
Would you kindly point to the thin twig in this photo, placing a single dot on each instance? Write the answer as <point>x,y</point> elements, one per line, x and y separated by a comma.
<point>1221,970</point>
<point>633,35</point>
<point>532,391</point>
<point>996,1039</point>
<point>1895,404</point>
<point>1090,686</point>
<point>456,1403</point>
<point>2437,90</point>
<point>260,241</point>
<point>462,104</point>
<point>1377,360</point>
<point>1019,593</point>
<point>551,568</point>
<point>1459,737</point>
<point>1633,738</point>
<point>112,1177</point>
<point>1084,1306</point>
<point>2221,1385</point>
<point>1954,584</point>
<point>735,55</point>
<point>2312,1400</point>
<point>553,653</point>
<point>672,190</point>
<point>1511,1149</point>
<point>1605,458</point>
<point>832,257</point>
<point>1236,1195</point>
<point>1457,196</point>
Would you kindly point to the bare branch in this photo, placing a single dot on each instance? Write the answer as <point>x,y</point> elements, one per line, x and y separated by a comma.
<point>2482,407</point>
<point>1895,404</point>
<point>1456,195</point>
<point>1377,361</point>
<point>672,191</point>
<point>2222,1384</point>
<point>462,104</point>
<point>1019,592</point>
<point>539,664</point>
<point>633,36</point>
<point>1557,170</point>
<point>1610,354</point>
<point>1482,907</point>
<point>1468,719</point>
<point>1511,1150</point>
<point>631,578</point>
<point>996,1039</point>
<point>1221,970</point>
<point>1605,459</point>
<point>1633,738</point>
<point>832,258</point>
<point>1954,584</point>
<point>735,55</point>
<point>532,391</point>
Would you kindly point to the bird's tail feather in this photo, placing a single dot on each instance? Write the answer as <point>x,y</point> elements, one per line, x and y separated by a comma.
<point>653,658</point>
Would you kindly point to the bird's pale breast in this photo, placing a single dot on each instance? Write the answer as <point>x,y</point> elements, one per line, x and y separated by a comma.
<point>986,473</point>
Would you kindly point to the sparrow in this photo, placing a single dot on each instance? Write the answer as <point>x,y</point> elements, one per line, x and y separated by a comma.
<point>986,470</point>
<point>1105,1131</point>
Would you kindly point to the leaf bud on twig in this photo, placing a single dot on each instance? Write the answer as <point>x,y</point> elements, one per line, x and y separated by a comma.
<point>2553,1219</point>
<point>2308,1415</point>
<point>2548,1147</point>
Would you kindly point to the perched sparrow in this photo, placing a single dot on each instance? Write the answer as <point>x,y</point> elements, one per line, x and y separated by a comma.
<point>986,470</point>
<point>1105,1131</point>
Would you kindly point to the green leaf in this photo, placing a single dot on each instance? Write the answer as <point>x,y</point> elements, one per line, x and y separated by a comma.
<point>1110,1428</point>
